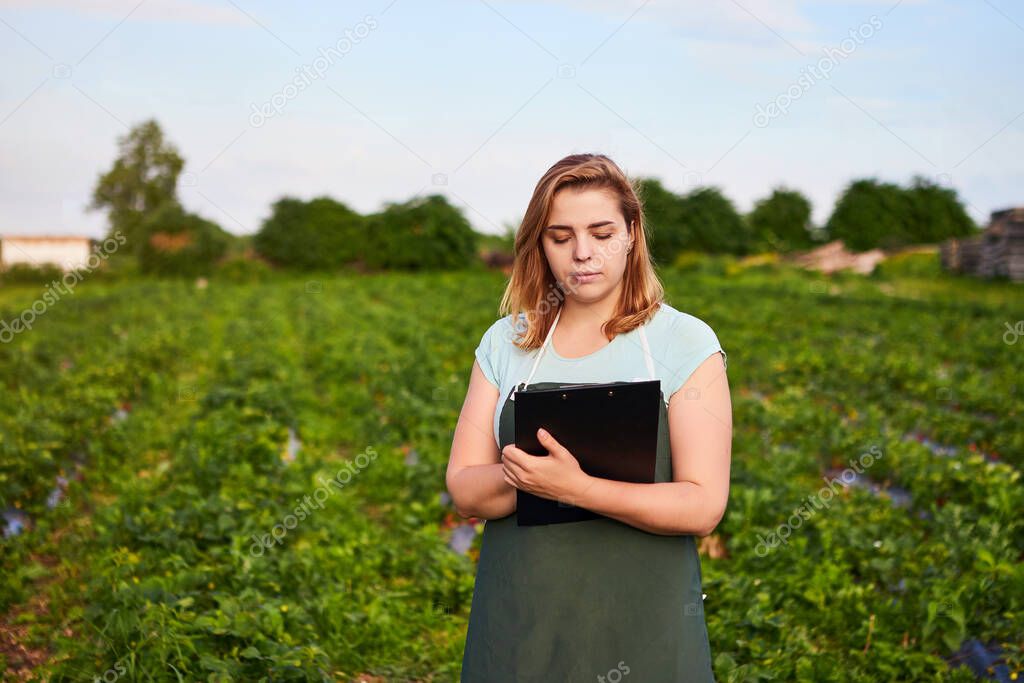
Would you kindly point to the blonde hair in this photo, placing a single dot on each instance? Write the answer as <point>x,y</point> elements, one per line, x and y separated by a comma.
<point>532,290</point>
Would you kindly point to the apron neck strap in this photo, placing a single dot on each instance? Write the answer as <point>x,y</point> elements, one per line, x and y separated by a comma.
<point>547,342</point>
<point>543,348</point>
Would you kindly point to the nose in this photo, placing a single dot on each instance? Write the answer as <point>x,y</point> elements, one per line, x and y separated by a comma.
<point>582,250</point>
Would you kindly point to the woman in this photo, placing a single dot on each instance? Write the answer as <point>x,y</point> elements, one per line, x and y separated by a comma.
<point>618,596</point>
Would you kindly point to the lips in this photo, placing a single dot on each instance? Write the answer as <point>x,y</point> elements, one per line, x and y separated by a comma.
<point>584,278</point>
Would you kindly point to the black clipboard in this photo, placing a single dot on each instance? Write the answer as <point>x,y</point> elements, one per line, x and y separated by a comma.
<point>610,428</point>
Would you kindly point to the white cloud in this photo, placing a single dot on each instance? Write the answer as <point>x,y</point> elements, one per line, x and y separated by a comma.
<point>737,19</point>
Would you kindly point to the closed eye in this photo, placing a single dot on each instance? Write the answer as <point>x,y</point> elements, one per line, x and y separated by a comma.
<point>600,237</point>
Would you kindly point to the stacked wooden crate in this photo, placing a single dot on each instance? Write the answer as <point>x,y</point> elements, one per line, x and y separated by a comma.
<point>1004,242</point>
<point>997,252</point>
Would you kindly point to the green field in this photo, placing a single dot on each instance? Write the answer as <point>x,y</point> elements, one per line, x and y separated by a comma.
<point>189,422</point>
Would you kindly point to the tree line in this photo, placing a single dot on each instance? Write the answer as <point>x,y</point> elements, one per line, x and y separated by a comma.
<point>140,195</point>
<point>868,214</point>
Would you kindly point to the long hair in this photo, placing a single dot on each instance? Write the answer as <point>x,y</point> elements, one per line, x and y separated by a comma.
<point>532,291</point>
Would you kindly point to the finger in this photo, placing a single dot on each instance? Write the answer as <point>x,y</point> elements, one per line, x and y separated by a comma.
<point>515,469</point>
<point>512,478</point>
<point>550,443</point>
<point>512,454</point>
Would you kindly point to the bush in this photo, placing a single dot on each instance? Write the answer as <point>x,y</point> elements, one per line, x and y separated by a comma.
<point>319,234</point>
<point>700,262</point>
<point>240,269</point>
<point>423,233</point>
<point>667,235</point>
<point>501,244</point>
<point>872,214</point>
<point>703,220</point>
<point>910,264</point>
<point>782,221</point>
<point>936,213</point>
<point>120,265</point>
<point>765,261</point>
<point>28,274</point>
<point>712,223</point>
<point>176,242</point>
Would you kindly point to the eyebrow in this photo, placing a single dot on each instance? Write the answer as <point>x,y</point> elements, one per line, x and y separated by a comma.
<point>569,227</point>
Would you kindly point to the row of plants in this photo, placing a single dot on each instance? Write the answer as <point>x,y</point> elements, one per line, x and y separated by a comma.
<point>66,402</point>
<point>189,567</point>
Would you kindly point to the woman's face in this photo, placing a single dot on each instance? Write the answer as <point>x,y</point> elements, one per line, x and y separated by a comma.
<point>586,233</point>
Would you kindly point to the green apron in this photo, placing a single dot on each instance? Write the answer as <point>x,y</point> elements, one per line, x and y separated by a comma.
<point>585,602</point>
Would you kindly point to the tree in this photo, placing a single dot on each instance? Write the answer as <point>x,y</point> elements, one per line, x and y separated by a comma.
<point>143,177</point>
<point>871,214</point>
<point>422,233</point>
<point>936,213</point>
<point>716,226</point>
<point>782,221</point>
<point>173,241</point>
<point>319,234</point>
<point>667,235</point>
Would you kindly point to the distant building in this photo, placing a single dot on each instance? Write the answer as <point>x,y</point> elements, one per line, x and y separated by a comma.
<point>67,252</point>
<point>997,252</point>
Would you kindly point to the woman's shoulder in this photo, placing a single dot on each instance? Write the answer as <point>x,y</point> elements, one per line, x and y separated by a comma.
<point>499,340</point>
<point>671,320</point>
<point>497,352</point>
<point>504,331</point>
<point>682,341</point>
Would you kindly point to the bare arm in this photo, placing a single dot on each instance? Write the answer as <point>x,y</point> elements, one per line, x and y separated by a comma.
<point>700,432</point>
<point>474,478</point>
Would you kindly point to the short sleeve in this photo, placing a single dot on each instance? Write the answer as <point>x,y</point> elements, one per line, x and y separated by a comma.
<point>692,341</point>
<point>486,356</point>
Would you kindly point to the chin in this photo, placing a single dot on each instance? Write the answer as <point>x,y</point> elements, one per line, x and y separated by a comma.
<point>589,293</point>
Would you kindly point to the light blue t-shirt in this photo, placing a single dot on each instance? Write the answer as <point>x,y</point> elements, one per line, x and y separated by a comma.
<point>679,343</point>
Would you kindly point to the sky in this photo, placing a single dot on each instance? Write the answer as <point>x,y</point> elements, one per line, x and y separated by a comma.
<point>376,102</point>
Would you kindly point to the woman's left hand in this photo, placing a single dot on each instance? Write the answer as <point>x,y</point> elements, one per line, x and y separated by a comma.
<point>557,476</point>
